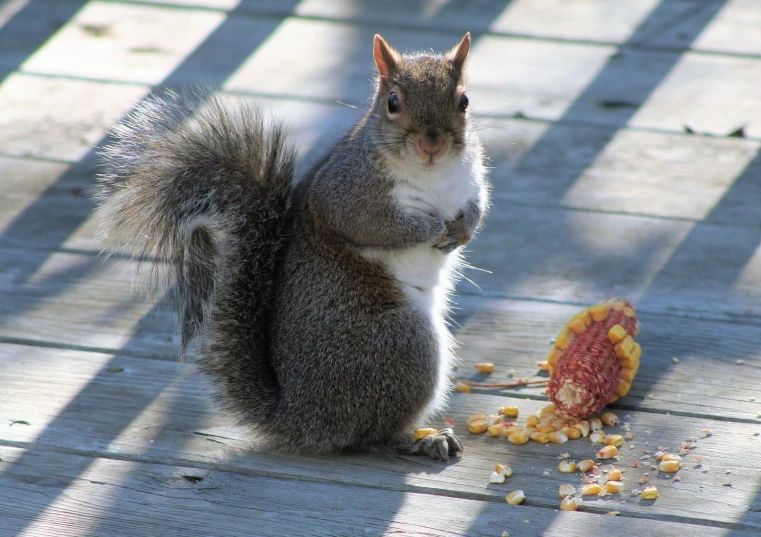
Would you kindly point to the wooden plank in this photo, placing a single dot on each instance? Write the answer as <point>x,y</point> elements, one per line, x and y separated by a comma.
<point>69,495</point>
<point>83,403</point>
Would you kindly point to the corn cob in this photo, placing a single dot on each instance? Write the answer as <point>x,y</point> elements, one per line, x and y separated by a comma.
<point>594,358</point>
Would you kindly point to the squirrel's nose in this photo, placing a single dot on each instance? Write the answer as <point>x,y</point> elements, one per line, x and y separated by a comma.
<point>430,144</point>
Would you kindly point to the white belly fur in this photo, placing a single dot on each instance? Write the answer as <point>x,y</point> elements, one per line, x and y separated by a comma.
<point>427,275</point>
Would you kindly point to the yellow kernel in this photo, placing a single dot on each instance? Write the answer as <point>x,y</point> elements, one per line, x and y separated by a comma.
<point>541,438</point>
<point>636,352</point>
<point>495,430</point>
<point>577,326</point>
<point>672,457</point>
<point>658,455</point>
<point>572,433</point>
<point>512,429</point>
<point>586,465</point>
<point>628,311</point>
<point>557,437</point>
<point>497,478</point>
<point>595,424</point>
<point>566,467</point>
<point>598,312</point>
<point>548,410</point>
<point>613,487</point>
<point>422,433</point>
<point>515,497</point>
<point>597,437</point>
<point>616,333</point>
<point>532,421</point>
<point>623,387</point>
<point>615,475</point>
<point>566,490</point>
<point>478,426</point>
<point>613,513</point>
<point>569,504</point>
<point>491,419</point>
<point>607,452</point>
<point>593,489</point>
<point>649,493</point>
<point>584,427</point>
<point>518,438</point>
<point>563,340</point>
<point>543,365</point>
<point>545,428</point>
<point>614,440</point>
<point>475,417</point>
<point>509,411</point>
<point>609,418</point>
<point>628,374</point>
<point>553,357</point>
<point>669,466</point>
<point>617,305</point>
<point>485,367</point>
<point>461,387</point>
<point>503,469</point>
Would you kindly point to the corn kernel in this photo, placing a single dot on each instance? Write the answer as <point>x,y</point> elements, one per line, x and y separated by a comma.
<point>572,433</point>
<point>597,437</point>
<point>495,430</point>
<point>614,440</point>
<point>649,493</point>
<point>461,387</point>
<point>608,452</point>
<point>503,469</point>
<point>475,417</point>
<point>592,489</point>
<point>586,465</point>
<point>613,513</point>
<point>563,340</point>
<point>532,421</point>
<point>658,455</point>
<point>566,490</point>
<point>577,326</point>
<point>584,427</point>
<point>613,487</point>
<point>422,433</point>
<point>598,312</point>
<point>509,411</point>
<point>609,418</point>
<point>518,438</point>
<point>497,478</point>
<point>628,311</point>
<point>491,419</point>
<point>553,357</point>
<point>595,424</point>
<point>566,467</point>
<point>616,333</point>
<point>485,367</point>
<point>615,475</point>
<point>636,352</point>
<point>548,410</point>
<point>558,423</point>
<point>623,387</point>
<point>478,426</point>
<point>512,429</point>
<point>543,365</point>
<point>515,497</point>
<point>545,428</point>
<point>540,437</point>
<point>628,374</point>
<point>671,457</point>
<point>569,504</point>
<point>669,466</point>
<point>557,437</point>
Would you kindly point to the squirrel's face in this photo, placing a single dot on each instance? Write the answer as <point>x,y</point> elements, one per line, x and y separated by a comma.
<point>421,105</point>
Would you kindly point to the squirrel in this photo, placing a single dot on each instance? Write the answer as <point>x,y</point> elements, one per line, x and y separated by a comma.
<point>317,307</point>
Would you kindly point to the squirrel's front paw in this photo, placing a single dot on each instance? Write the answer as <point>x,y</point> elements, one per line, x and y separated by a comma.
<point>441,445</point>
<point>457,233</point>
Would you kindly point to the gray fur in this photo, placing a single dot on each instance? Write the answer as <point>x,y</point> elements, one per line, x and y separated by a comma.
<point>308,342</point>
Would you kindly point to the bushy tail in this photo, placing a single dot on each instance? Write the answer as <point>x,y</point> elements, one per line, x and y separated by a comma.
<point>199,191</point>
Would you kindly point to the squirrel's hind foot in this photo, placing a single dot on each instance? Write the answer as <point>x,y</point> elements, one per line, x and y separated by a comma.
<point>439,446</point>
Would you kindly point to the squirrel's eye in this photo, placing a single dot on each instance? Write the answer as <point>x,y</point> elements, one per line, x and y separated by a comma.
<point>393,103</point>
<point>463,102</point>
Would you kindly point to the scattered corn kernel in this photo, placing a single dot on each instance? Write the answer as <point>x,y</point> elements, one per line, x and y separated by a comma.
<point>572,433</point>
<point>543,365</point>
<point>532,421</point>
<point>607,452</point>
<point>485,367</point>
<point>491,419</point>
<point>511,429</point>
<point>595,424</point>
<point>569,504</point>
<point>614,440</point>
<point>669,466</point>
<point>613,513</point>
<point>557,437</point>
<point>461,387</point>
<point>422,433</point>
<point>609,418</point>
<point>649,493</point>
<point>615,475</point>
<point>567,467</point>
<point>584,427</point>
<point>547,411</point>
<point>503,469</point>
<point>545,428</point>
<point>586,465</point>
<point>495,430</point>
<point>540,437</point>
<point>478,426</point>
<point>671,457</point>
<point>509,411</point>
<point>658,455</point>
<point>597,437</point>
<point>558,423</point>
<point>616,333</point>
<point>519,438</point>
<point>566,490</point>
<point>613,487</point>
<point>475,417</point>
<point>515,497</point>
<point>593,489</point>
<point>497,478</point>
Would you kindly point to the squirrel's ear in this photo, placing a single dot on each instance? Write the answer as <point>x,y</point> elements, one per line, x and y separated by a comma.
<point>386,58</point>
<point>458,54</point>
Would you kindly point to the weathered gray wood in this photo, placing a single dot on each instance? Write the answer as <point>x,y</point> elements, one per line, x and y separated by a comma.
<point>149,412</point>
<point>58,494</point>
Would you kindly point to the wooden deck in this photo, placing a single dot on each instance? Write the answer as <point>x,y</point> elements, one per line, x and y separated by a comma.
<point>615,174</point>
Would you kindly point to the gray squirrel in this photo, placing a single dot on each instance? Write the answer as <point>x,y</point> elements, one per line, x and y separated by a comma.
<point>318,308</point>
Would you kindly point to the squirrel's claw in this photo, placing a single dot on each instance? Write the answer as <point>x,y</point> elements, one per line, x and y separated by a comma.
<point>441,446</point>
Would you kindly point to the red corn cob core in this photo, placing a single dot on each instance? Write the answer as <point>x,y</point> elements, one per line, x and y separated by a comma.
<point>590,365</point>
